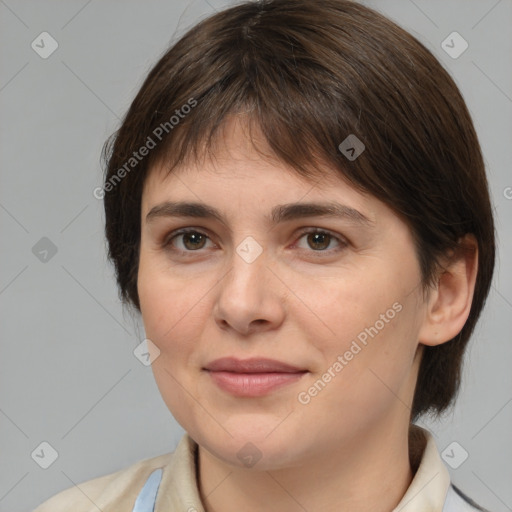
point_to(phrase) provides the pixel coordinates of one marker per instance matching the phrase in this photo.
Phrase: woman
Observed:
(296, 203)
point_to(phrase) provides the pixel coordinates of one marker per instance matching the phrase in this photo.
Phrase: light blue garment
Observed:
(147, 497)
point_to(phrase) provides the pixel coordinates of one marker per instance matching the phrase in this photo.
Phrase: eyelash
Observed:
(167, 243)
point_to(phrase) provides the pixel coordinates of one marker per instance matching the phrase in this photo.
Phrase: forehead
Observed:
(268, 193)
(241, 182)
(240, 153)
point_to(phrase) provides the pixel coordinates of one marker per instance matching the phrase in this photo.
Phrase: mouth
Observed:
(252, 377)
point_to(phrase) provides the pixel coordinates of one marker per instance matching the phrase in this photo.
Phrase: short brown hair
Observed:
(310, 74)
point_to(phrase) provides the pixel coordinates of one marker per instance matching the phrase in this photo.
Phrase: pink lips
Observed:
(252, 377)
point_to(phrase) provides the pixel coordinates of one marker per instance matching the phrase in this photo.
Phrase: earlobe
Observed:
(449, 303)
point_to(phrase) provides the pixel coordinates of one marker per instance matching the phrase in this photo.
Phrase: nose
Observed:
(250, 298)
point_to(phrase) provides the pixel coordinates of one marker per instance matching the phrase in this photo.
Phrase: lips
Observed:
(253, 365)
(252, 377)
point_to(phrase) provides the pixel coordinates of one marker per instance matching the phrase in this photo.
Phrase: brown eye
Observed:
(193, 240)
(186, 241)
(319, 241)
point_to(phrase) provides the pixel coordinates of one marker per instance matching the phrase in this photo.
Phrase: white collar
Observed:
(429, 491)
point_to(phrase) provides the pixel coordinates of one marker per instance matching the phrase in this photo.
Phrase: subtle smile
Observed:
(252, 377)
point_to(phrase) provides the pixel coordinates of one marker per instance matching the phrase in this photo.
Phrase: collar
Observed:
(427, 492)
(431, 481)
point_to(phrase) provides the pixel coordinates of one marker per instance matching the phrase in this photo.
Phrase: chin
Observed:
(258, 455)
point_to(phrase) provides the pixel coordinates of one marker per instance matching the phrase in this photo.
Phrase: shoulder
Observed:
(112, 492)
(457, 501)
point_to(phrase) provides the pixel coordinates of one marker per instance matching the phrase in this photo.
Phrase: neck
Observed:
(370, 472)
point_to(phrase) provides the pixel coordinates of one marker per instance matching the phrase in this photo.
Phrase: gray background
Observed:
(67, 372)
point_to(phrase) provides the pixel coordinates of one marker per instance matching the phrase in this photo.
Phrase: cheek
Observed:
(369, 327)
(348, 308)
(171, 309)
(170, 306)
(364, 375)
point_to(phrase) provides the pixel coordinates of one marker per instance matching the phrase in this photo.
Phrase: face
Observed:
(317, 314)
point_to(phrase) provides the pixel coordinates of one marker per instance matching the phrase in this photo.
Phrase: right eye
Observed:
(191, 240)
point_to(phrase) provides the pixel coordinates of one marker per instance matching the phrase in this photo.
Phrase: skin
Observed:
(301, 302)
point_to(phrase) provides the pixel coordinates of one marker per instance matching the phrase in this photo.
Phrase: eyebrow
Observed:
(280, 213)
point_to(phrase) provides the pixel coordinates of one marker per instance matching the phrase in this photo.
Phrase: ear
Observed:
(449, 302)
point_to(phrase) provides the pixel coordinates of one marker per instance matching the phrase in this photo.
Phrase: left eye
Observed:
(319, 240)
